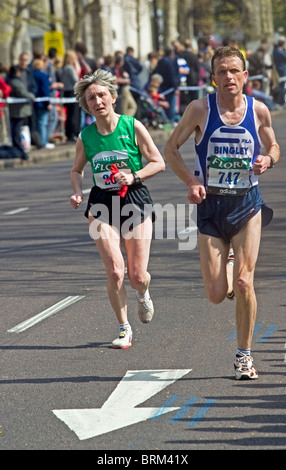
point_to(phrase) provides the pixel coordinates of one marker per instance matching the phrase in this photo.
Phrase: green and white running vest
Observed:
(117, 148)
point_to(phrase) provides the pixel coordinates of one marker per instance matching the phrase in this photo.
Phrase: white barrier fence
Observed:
(5, 135)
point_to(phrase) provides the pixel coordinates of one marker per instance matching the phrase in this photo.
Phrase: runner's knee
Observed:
(138, 278)
(116, 276)
(216, 295)
(243, 286)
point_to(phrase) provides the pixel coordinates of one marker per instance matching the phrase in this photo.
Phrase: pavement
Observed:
(63, 151)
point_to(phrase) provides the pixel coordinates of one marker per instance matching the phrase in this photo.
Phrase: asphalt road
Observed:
(63, 387)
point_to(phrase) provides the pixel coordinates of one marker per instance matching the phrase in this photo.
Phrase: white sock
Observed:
(122, 326)
(243, 352)
(145, 296)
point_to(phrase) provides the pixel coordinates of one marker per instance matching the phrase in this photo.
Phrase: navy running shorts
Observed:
(224, 216)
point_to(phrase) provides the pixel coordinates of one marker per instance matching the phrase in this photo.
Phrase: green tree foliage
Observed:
(204, 17)
(279, 16)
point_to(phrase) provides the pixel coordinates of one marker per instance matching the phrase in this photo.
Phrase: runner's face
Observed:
(99, 100)
(229, 75)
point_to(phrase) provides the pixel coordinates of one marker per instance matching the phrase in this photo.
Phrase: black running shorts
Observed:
(109, 207)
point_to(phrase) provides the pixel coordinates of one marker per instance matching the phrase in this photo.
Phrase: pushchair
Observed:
(150, 114)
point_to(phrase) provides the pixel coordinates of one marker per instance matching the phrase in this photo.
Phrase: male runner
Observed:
(229, 129)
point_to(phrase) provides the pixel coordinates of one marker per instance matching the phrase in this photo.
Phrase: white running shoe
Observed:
(244, 369)
(145, 310)
(124, 339)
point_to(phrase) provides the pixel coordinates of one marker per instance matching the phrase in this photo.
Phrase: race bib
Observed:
(101, 167)
(229, 176)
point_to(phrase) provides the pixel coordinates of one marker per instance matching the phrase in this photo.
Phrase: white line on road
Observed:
(17, 211)
(45, 314)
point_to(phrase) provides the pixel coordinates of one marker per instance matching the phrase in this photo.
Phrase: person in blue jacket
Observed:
(168, 68)
(42, 107)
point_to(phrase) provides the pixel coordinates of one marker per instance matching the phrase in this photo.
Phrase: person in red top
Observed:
(5, 91)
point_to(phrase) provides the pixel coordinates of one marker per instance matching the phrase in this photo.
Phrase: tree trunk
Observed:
(170, 21)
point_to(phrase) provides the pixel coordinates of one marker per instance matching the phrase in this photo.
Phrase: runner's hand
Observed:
(124, 179)
(196, 193)
(76, 200)
(261, 164)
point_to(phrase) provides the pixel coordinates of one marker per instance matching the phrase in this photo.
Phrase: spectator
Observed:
(27, 77)
(168, 68)
(148, 67)
(279, 59)
(5, 91)
(194, 66)
(108, 63)
(267, 66)
(184, 69)
(26, 73)
(87, 67)
(254, 88)
(133, 67)
(205, 53)
(42, 107)
(257, 60)
(19, 112)
(125, 102)
(54, 87)
(86, 62)
(158, 99)
(69, 75)
(191, 79)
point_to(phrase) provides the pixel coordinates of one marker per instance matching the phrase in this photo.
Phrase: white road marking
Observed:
(45, 314)
(119, 410)
(17, 211)
(86, 191)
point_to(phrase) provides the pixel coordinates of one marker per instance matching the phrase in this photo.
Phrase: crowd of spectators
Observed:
(156, 90)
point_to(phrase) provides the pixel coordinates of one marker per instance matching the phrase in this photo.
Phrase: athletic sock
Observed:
(122, 326)
(145, 296)
(243, 352)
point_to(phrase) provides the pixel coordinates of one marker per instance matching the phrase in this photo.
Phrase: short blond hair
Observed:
(101, 77)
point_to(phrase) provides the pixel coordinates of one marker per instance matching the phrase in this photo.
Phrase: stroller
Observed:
(150, 114)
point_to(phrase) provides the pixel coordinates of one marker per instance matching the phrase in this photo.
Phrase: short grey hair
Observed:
(101, 77)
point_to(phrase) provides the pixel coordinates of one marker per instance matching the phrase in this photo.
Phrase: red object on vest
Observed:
(123, 190)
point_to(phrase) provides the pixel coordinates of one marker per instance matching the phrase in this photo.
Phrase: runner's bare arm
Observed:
(193, 120)
(77, 173)
(268, 139)
(149, 151)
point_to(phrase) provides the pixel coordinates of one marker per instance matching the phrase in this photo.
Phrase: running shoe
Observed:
(230, 295)
(124, 339)
(145, 310)
(244, 369)
(230, 260)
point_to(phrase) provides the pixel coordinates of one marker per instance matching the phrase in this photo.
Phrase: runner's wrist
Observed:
(272, 161)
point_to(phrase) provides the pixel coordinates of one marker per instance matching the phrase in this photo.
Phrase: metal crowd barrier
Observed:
(5, 131)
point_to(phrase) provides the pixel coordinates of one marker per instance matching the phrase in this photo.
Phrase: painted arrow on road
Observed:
(119, 410)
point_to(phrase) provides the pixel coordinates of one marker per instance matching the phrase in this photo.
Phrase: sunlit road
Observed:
(62, 386)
